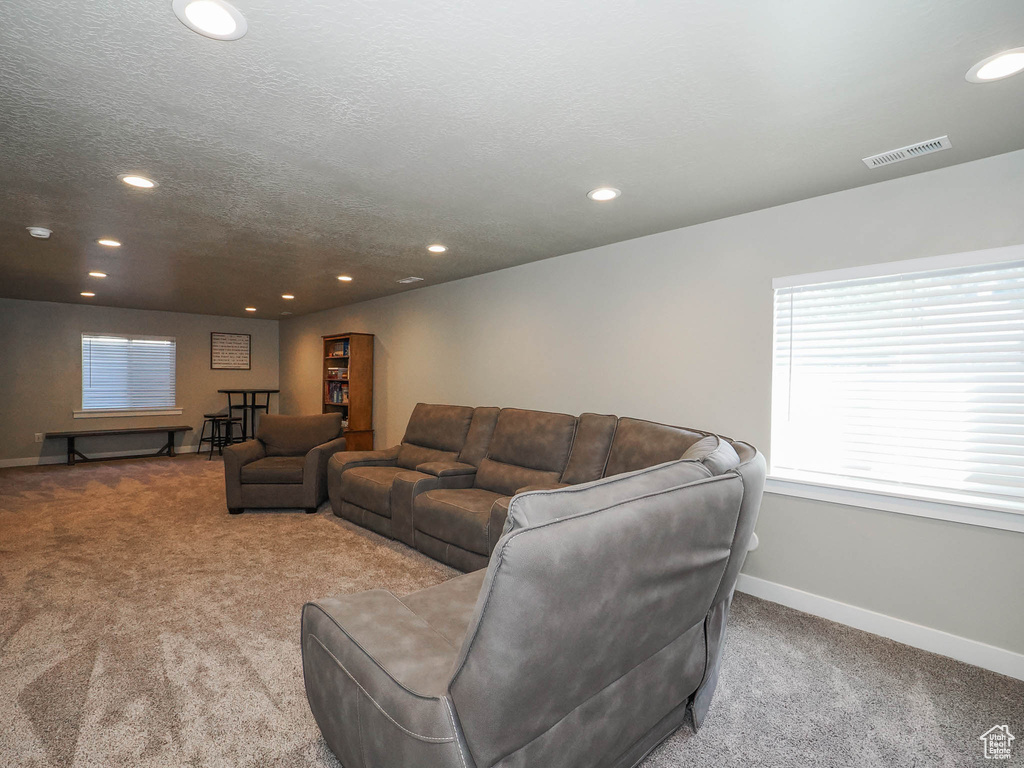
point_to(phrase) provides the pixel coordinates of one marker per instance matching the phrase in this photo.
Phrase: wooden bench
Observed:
(73, 453)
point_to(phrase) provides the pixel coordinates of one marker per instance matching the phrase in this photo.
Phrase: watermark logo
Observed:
(998, 742)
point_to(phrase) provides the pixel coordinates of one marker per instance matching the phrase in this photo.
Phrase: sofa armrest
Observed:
(388, 457)
(543, 487)
(446, 468)
(235, 457)
(339, 462)
(314, 471)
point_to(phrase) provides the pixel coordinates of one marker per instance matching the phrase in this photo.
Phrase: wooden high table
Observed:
(249, 406)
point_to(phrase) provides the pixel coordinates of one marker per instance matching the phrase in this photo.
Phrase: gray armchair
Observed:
(285, 466)
(598, 623)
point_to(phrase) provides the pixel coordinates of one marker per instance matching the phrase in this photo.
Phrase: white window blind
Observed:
(127, 372)
(911, 383)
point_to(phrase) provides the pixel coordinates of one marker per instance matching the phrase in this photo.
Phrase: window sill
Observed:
(116, 413)
(980, 511)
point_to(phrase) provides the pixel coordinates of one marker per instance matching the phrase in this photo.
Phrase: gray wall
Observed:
(41, 383)
(677, 327)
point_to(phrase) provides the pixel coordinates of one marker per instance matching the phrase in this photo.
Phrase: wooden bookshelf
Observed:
(348, 385)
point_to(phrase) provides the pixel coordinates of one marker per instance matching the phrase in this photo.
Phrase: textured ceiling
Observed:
(344, 137)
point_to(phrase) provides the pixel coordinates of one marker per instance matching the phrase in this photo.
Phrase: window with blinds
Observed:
(909, 383)
(127, 372)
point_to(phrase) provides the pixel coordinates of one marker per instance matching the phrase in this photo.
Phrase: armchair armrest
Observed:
(235, 457)
(446, 468)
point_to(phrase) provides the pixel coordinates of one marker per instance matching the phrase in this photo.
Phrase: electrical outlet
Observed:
(39, 437)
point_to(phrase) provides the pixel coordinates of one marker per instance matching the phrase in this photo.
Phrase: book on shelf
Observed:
(337, 392)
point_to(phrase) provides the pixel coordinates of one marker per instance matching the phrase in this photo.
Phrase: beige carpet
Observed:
(141, 625)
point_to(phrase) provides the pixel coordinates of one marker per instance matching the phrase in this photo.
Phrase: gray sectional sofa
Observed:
(446, 488)
(612, 548)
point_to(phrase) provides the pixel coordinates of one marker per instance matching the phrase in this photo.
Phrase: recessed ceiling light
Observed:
(97, 274)
(287, 296)
(437, 248)
(406, 280)
(215, 19)
(40, 232)
(997, 67)
(345, 278)
(139, 182)
(250, 309)
(109, 243)
(603, 194)
(88, 294)
(286, 313)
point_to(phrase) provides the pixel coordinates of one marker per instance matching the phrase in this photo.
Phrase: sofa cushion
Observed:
(448, 607)
(527, 448)
(456, 516)
(274, 470)
(370, 487)
(297, 435)
(590, 448)
(478, 439)
(434, 433)
(638, 444)
(714, 453)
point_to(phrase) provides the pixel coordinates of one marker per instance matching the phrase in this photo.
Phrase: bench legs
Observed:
(167, 450)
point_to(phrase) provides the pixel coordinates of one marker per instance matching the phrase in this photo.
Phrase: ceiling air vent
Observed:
(410, 280)
(906, 153)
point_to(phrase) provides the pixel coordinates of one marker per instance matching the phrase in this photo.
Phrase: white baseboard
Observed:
(62, 458)
(934, 640)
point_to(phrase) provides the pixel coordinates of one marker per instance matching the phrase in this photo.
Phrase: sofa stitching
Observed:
(421, 737)
(455, 737)
(359, 728)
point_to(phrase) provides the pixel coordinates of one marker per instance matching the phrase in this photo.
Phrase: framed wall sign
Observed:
(230, 351)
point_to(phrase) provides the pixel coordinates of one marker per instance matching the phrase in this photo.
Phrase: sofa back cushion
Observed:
(638, 444)
(434, 433)
(297, 435)
(601, 611)
(478, 440)
(590, 448)
(527, 448)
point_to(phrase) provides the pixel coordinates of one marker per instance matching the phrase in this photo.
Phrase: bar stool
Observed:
(222, 432)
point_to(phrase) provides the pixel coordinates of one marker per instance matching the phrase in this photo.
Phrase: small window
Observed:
(127, 373)
(908, 381)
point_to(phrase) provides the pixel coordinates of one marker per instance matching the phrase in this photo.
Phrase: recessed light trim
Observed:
(1002, 65)
(40, 233)
(603, 194)
(137, 181)
(215, 19)
(88, 294)
(345, 278)
(110, 243)
(250, 309)
(97, 274)
(437, 248)
(410, 279)
(287, 296)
